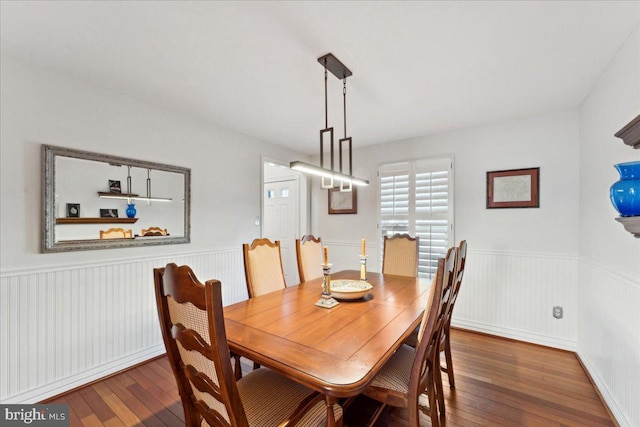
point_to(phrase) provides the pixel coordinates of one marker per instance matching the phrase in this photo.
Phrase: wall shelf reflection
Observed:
(96, 220)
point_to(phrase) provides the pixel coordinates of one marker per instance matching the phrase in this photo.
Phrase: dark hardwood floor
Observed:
(499, 382)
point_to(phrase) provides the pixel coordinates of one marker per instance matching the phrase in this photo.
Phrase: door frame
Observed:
(304, 200)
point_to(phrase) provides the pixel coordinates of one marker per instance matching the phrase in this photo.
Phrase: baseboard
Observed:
(45, 391)
(603, 392)
(515, 334)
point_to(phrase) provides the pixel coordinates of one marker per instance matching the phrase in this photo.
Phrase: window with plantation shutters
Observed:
(417, 198)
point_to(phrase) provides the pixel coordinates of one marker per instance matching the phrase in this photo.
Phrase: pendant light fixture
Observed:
(345, 139)
(330, 175)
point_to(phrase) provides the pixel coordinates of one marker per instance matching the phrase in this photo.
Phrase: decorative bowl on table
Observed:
(350, 289)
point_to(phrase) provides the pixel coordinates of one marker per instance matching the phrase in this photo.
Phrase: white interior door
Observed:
(281, 222)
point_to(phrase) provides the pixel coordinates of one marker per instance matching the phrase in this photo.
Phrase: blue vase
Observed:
(131, 210)
(625, 193)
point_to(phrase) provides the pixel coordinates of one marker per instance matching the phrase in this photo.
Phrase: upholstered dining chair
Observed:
(445, 344)
(263, 267)
(309, 255)
(192, 323)
(116, 233)
(411, 378)
(400, 255)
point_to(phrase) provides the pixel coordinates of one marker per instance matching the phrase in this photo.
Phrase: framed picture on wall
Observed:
(108, 213)
(515, 188)
(73, 210)
(114, 186)
(343, 202)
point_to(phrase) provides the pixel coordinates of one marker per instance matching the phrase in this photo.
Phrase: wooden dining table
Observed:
(335, 351)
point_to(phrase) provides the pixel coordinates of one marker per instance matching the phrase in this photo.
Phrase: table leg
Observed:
(331, 418)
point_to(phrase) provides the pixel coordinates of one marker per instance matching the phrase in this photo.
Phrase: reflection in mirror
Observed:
(88, 194)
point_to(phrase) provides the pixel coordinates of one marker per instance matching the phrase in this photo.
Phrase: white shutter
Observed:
(432, 222)
(394, 198)
(416, 198)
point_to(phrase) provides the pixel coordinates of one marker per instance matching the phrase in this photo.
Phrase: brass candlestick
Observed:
(326, 281)
(326, 300)
(363, 268)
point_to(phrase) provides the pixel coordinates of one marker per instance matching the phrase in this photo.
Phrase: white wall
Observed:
(522, 262)
(609, 274)
(549, 141)
(69, 318)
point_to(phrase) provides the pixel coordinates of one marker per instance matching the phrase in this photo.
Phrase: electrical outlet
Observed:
(557, 312)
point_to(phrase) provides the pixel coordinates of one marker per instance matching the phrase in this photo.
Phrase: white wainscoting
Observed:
(65, 326)
(509, 294)
(609, 336)
(512, 294)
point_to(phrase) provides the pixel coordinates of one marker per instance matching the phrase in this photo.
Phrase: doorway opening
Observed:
(284, 212)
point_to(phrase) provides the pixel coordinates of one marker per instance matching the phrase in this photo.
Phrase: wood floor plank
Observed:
(519, 409)
(91, 421)
(123, 412)
(116, 384)
(553, 392)
(162, 369)
(533, 377)
(97, 404)
(165, 383)
(74, 419)
(499, 382)
(114, 422)
(161, 411)
(77, 402)
(170, 402)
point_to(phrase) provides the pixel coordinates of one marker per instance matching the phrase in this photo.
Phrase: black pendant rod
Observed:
(344, 103)
(326, 108)
(148, 183)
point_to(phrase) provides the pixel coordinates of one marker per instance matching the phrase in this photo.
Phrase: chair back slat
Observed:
(432, 292)
(400, 255)
(427, 351)
(457, 282)
(192, 323)
(309, 255)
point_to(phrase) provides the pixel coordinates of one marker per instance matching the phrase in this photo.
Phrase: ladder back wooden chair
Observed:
(263, 267)
(400, 255)
(411, 378)
(309, 255)
(445, 344)
(192, 323)
(116, 233)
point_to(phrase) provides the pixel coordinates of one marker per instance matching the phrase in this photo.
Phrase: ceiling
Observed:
(419, 68)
